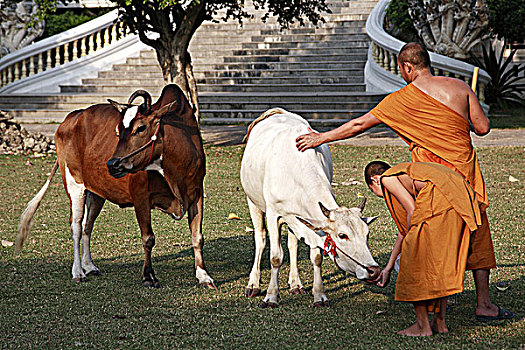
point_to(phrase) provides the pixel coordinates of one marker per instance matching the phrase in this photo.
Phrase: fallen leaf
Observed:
(249, 229)
(502, 286)
(360, 195)
(513, 179)
(7, 243)
(350, 182)
(380, 312)
(232, 216)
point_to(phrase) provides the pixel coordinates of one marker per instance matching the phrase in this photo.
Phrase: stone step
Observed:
(342, 115)
(120, 89)
(207, 66)
(360, 64)
(74, 101)
(307, 45)
(240, 73)
(277, 73)
(303, 58)
(282, 87)
(291, 80)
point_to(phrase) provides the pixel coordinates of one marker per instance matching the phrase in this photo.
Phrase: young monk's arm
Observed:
(396, 188)
(384, 276)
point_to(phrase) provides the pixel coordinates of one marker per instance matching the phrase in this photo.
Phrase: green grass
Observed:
(41, 308)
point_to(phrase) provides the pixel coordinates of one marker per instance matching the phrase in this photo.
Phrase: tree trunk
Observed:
(177, 69)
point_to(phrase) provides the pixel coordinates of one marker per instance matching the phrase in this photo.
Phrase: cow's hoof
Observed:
(94, 273)
(208, 285)
(252, 292)
(268, 304)
(151, 284)
(297, 290)
(322, 303)
(80, 279)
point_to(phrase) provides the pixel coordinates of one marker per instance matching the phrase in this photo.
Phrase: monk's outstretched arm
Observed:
(349, 129)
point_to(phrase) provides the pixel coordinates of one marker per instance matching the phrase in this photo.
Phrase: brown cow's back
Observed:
(85, 141)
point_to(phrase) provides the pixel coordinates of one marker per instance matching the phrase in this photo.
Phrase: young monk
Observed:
(435, 211)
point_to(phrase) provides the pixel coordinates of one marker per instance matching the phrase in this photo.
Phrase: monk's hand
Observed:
(383, 278)
(310, 140)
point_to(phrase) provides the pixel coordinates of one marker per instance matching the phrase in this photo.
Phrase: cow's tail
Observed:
(263, 116)
(26, 220)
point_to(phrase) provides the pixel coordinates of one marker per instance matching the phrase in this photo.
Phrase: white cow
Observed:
(294, 187)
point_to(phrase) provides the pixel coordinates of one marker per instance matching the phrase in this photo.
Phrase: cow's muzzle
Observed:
(116, 169)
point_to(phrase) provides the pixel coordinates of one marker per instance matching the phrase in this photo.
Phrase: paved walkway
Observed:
(226, 135)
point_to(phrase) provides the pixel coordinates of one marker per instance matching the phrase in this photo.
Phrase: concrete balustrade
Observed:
(381, 71)
(61, 48)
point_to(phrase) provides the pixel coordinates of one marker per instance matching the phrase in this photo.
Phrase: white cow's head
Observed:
(348, 230)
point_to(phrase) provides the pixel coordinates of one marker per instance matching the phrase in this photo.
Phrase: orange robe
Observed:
(440, 135)
(435, 248)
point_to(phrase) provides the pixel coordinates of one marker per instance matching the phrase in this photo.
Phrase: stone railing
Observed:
(381, 71)
(61, 48)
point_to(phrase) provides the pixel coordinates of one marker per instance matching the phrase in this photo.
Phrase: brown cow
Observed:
(162, 138)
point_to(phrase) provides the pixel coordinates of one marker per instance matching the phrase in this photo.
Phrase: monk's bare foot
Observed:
(416, 331)
(438, 326)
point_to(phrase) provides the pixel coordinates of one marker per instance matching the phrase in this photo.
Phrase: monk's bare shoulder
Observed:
(449, 91)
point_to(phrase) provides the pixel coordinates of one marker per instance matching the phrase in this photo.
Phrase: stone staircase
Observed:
(242, 71)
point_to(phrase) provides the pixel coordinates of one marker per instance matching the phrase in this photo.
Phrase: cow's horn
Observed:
(325, 211)
(362, 205)
(146, 106)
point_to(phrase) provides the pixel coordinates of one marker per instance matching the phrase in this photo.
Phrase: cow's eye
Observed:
(342, 235)
(140, 129)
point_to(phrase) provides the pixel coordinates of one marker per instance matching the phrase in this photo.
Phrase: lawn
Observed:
(41, 308)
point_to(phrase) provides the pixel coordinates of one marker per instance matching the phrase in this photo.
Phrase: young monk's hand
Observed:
(383, 278)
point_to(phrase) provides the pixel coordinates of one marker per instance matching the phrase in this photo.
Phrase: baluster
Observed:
(23, 70)
(481, 92)
(57, 56)
(83, 47)
(2, 78)
(375, 53)
(75, 49)
(31, 65)
(17, 73)
(113, 34)
(380, 57)
(91, 43)
(40, 63)
(67, 56)
(10, 74)
(106, 37)
(48, 60)
(386, 65)
(393, 63)
(98, 42)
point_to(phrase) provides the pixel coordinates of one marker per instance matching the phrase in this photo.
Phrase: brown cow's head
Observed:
(139, 142)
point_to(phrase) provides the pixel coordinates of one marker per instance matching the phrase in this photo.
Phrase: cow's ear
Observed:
(119, 106)
(314, 225)
(369, 220)
(165, 109)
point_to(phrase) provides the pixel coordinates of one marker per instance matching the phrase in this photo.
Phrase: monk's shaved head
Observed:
(376, 167)
(415, 54)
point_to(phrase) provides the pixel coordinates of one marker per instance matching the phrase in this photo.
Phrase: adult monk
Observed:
(432, 115)
(435, 211)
